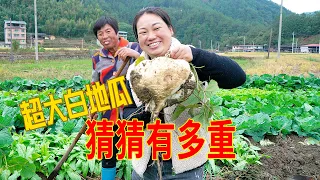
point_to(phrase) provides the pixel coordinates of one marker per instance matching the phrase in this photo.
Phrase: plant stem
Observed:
(153, 118)
(159, 169)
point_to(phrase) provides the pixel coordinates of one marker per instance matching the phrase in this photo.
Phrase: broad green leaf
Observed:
(14, 176)
(35, 156)
(214, 167)
(91, 165)
(281, 123)
(268, 109)
(120, 173)
(6, 138)
(61, 175)
(29, 152)
(212, 86)
(211, 89)
(119, 164)
(77, 79)
(192, 99)
(179, 109)
(28, 170)
(226, 112)
(128, 170)
(72, 165)
(85, 168)
(16, 163)
(296, 128)
(216, 100)
(22, 149)
(5, 174)
(73, 155)
(307, 107)
(78, 126)
(234, 112)
(79, 162)
(309, 124)
(36, 177)
(97, 168)
(256, 126)
(201, 118)
(68, 126)
(73, 175)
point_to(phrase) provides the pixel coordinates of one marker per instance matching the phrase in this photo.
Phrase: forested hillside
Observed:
(223, 21)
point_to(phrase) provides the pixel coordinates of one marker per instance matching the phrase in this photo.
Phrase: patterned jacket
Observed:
(104, 67)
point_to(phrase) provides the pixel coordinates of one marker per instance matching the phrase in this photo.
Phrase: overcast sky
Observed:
(300, 6)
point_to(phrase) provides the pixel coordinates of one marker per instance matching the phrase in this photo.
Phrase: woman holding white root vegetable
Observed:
(153, 30)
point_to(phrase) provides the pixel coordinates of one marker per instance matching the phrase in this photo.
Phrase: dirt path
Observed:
(288, 160)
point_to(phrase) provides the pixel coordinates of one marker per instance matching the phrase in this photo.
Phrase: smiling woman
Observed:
(106, 63)
(154, 35)
(154, 31)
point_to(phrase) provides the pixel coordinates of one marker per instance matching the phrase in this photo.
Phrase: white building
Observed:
(123, 34)
(310, 48)
(247, 48)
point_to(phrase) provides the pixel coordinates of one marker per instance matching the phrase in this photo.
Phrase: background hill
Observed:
(226, 22)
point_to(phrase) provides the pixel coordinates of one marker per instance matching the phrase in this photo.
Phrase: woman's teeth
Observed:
(154, 44)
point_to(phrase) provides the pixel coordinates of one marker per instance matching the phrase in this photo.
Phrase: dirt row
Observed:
(288, 159)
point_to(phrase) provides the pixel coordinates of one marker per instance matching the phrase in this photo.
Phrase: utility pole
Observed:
(269, 43)
(292, 41)
(36, 30)
(244, 42)
(296, 45)
(253, 45)
(211, 46)
(82, 43)
(280, 26)
(200, 43)
(11, 54)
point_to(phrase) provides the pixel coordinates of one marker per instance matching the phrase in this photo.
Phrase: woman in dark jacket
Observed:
(153, 30)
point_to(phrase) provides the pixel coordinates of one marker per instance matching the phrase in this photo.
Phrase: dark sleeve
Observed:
(135, 46)
(225, 71)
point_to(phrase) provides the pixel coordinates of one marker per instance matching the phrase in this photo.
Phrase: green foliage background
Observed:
(223, 21)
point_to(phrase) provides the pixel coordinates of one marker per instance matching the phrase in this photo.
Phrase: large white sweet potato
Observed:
(162, 82)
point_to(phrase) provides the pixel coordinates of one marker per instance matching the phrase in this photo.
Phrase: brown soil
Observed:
(287, 159)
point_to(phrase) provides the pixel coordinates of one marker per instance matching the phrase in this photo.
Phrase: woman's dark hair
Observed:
(151, 10)
(102, 22)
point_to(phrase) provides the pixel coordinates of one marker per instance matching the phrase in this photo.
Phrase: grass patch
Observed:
(245, 63)
(59, 69)
(252, 63)
(291, 64)
(313, 59)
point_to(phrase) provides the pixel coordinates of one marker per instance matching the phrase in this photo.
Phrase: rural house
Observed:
(310, 48)
(247, 48)
(15, 30)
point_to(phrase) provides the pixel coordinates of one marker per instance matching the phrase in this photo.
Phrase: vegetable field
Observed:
(277, 119)
(264, 107)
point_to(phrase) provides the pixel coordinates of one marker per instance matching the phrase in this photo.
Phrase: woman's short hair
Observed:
(151, 10)
(102, 21)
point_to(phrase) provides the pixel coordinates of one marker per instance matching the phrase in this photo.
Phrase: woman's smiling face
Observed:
(108, 38)
(154, 35)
